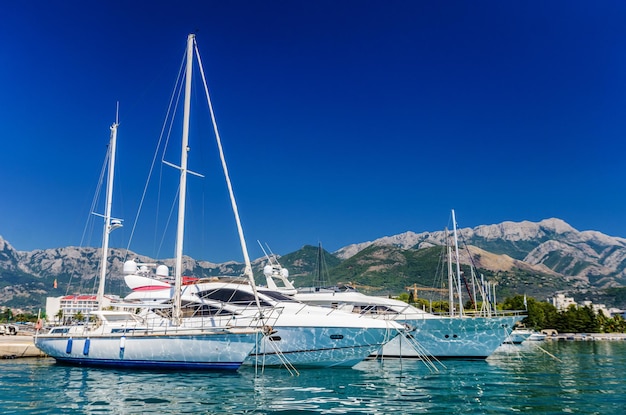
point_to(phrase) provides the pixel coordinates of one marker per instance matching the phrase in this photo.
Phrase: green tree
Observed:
(7, 315)
(405, 297)
(79, 316)
(59, 315)
(412, 299)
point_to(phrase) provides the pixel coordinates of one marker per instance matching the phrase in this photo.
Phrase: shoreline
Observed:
(587, 337)
(18, 346)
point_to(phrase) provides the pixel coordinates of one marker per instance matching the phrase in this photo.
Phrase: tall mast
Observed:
(108, 226)
(458, 264)
(450, 274)
(319, 264)
(178, 272)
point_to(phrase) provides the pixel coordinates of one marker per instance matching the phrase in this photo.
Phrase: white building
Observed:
(597, 308)
(71, 305)
(561, 302)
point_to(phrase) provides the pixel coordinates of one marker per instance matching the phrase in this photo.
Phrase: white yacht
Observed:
(457, 334)
(297, 334)
(428, 334)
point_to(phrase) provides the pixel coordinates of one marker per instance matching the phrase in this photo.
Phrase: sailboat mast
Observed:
(319, 265)
(107, 215)
(182, 196)
(450, 274)
(458, 263)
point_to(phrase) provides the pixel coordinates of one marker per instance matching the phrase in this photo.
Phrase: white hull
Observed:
(303, 335)
(451, 338)
(200, 350)
(537, 337)
(319, 346)
(439, 336)
(518, 336)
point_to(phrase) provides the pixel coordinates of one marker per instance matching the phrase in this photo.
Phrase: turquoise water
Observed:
(588, 378)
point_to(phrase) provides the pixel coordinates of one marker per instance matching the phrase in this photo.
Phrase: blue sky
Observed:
(342, 121)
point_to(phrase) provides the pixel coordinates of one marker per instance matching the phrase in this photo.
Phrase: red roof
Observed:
(80, 297)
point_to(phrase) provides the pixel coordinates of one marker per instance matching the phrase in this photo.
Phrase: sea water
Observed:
(583, 377)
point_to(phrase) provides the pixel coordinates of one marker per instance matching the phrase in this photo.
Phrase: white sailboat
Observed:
(120, 338)
(296, 334)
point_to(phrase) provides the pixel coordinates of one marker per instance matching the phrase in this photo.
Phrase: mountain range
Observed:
(538, 259)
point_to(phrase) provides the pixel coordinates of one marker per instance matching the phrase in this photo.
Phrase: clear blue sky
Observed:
(342, 121)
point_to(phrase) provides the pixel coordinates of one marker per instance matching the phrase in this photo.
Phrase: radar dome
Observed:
(130, 267)
(162, 271)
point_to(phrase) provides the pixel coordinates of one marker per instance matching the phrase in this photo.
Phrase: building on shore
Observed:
(59, 309)
(562, 303)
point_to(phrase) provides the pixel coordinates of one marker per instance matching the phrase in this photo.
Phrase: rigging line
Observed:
(89, 223)
(438, 280)
(168, 221)
(471, 258)
(462, 276)
(156, 152)
(281, 356)
(273, 254)
(170, 116)
(248, 269)
(267, 332)
(427, 359)
(96, 195)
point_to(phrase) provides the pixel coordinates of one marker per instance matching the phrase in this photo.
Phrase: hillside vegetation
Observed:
(520, 258)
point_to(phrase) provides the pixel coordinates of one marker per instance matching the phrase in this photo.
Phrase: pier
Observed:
(586, 336)
(12, 347)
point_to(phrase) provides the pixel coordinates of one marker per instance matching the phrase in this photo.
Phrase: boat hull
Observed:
(206, 351)
(319, 346)
(451, 338)
(518, 336)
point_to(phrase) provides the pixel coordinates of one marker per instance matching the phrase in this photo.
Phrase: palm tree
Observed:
(79, 316)
(59, 316)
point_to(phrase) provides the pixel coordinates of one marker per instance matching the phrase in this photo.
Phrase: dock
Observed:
(587, 337)
(12, 347)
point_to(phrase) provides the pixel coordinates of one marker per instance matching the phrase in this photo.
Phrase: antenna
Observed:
(117, 113)
(273, 254)
(269, 258)
(265, 253)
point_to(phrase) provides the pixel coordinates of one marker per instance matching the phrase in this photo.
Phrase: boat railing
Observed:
(479, 313)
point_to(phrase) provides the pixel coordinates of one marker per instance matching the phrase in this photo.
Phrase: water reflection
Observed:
(572, 377)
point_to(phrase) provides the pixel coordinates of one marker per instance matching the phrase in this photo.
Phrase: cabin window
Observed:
(278, 296)
(203, 310)
(229, 295)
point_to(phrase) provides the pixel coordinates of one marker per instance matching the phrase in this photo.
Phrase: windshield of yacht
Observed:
(232, 296)
(279, 296)
(373, 309)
